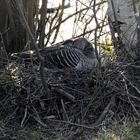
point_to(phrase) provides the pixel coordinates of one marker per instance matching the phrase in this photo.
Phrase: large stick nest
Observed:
(74, 98)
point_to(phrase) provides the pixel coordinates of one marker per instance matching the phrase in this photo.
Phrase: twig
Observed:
(24, 117)
(27, 28)
(64, 110)
(37, 118)
(126, 87)
(102, 116)
(76, 124)
(131, 83)
(64, 93)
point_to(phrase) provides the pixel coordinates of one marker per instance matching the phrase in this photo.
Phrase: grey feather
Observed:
(78, 54)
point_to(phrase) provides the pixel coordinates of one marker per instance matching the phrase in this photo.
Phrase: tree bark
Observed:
(123, 18)
(13, 33)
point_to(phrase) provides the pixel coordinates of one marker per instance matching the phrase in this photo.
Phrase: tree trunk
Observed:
(11, 28)
(124, 20)
(123, 16)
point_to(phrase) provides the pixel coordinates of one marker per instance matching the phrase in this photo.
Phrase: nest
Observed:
(73, 99)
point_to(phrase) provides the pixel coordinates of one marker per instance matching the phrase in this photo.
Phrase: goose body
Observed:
(78, 54)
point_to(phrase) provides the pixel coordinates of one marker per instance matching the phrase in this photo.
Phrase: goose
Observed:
(77, 54)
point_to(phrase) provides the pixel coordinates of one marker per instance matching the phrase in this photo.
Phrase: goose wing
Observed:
(63, 57)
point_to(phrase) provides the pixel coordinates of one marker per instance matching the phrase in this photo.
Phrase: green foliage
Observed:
(118, 132)
(129, 132)
(132, 132)
(107, 47)
(94, 78)
(108, 135)
(28, 134)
